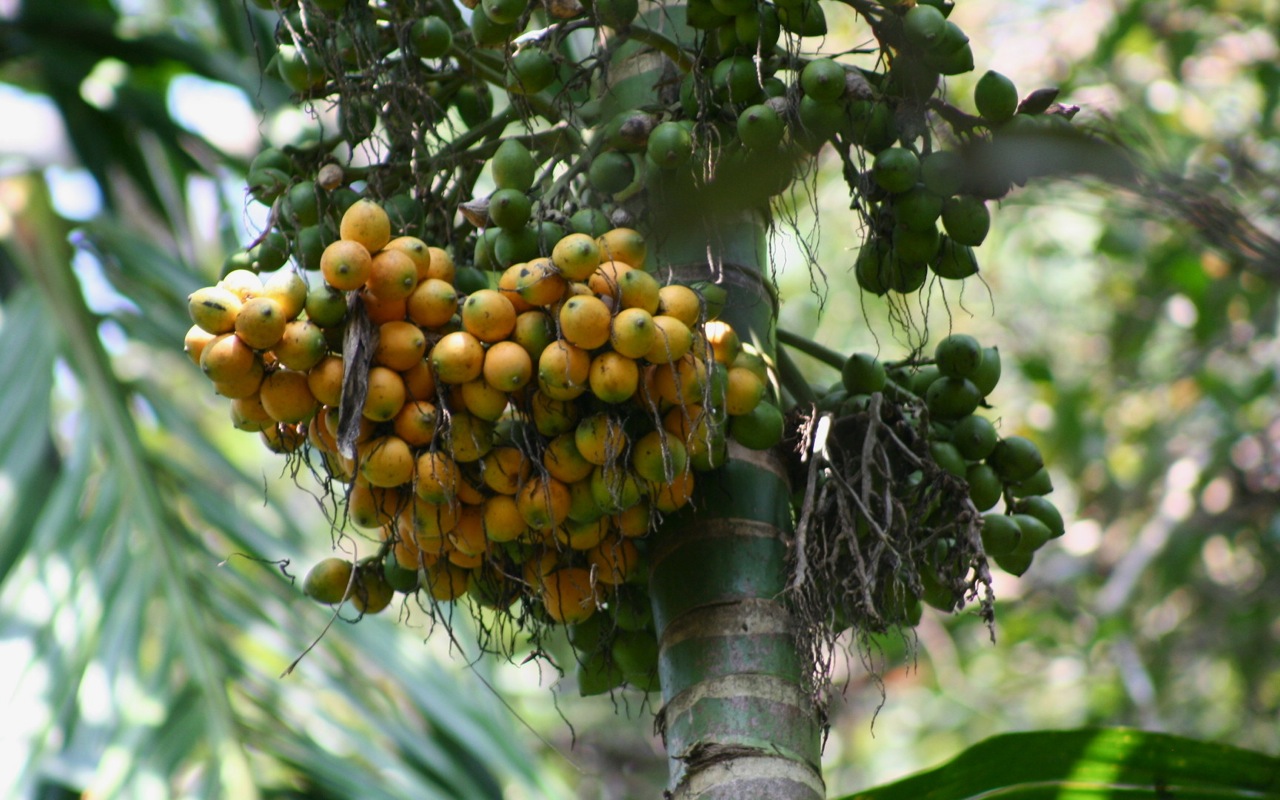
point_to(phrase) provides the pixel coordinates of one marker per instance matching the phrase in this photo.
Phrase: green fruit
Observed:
(586, 636)
(309, 246)
(617, 14)
(905, 276)
(832, 400)
(1015, 459)
(530, 71)
(871, 268)
(946, 456)
(635, 652)
(503, 12)
(431, 37)
(805, 18)
(271, 158)
(952, 398)
(598, 674)
(301, 206)
(299, 68)
(872, 125)
(988, 373)
(510, 209)
(734, 79)
(956, 62)
(935, 593)
(759, 430)
(918, 209)
(474, 101)
(974, 436)
(996, 97)
(958, 355)
(1038, 484)
(548, 233)
(855, 404)
(823, 80)
(397, 577)
(922, 25)
(1034, 534)
(923, 378)
(611, 172)
(513, 166)
(760, 128)
(896, 170)
(1015, 564)
(328, 580)
(670, 145)
(631, 609)
(404, 211)
(915, 246)
(326, 306)
(482, 256)
(470, 280)
(270, 253)
(758, 29)
(954, 261)
(591, 221)
(487, 33)
(703, 16)
(942, 172)
(966, 220)
(266, 184)
(985, 487)
(1043, 510)
(819, 121)
(514, 246)
(732, 8)
(863, 374)
(1000, 534)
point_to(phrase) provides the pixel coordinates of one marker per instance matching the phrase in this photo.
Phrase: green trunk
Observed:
(737, 720)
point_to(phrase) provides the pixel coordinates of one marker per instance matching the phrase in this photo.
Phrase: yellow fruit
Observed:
(386, 395)
(585, 322)
(488, 315)
(416, 422)
(672, 340)
(543, 503)
(287, 397)
(681, 302)
(242, 283)
(482, 400)
(288, 289)
(195, 341)
(613, 377)
(325, 380)
(457, 358)
(433, 303)
(301, 346)
(563, 370)
(504, 469)
(401, 345)
(564, 462)
(569, 595)
(442, 266)
(638, 289)
(365, 222)
(507, 366)
(393, 275)
(614, 560)
(468, 437)
(386, 462)
(623, 244)
(744, 392)
(346, 265)
(416, 250)
(600, 439)
(503, 521)
(576, 256)
(214, 309)
(436, 477)
(632, 332)
(539, 283)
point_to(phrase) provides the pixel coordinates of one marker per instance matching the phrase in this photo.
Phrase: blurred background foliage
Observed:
(146, 548)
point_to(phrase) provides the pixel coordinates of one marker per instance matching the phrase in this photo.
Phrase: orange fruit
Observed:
(638, 289)
(346, 265)
(242, 283)
(214, 309)
(534, 331)
(419, 383)
(585, 321)
(467, 536)
(325, 380)
(432, 303)
(543, 503)
(488, 315)
(614, 560)
(329, 580)
(614, 378)
(503, 521)
(436, 477)
(248, 414)
(416, 422)
(675, 495)
(386, 395)
(442, 266)
(415, 249)
(563, 370)
(482, 400)
(226, 357)
(692, 425)
(724, 341)
(552, 417)
(744, 391)
(563, 461)
(194, 342)
(582, 534)
(681, 382)
(365, 222)
(432, 522)
(658, 457)
(507, 366)
(623, 244)
(289, 289)
(672, 339)
(540, 283)
(260, 322)
(445, 581)
(569, 595)
(302, 345)
(287, 397)
(318, 433)
(457, 358)
(576, 256)
(679, 301)
(504, 469)
(633, 522)
(632, 332)
(508, 283)
(386, 461)
(605, 280)
(600, 439)
(468, 437)
(393, 275)
(401, 345)
(379, 310)
(371, 506)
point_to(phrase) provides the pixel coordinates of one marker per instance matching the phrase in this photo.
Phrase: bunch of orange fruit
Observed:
(515, 441)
